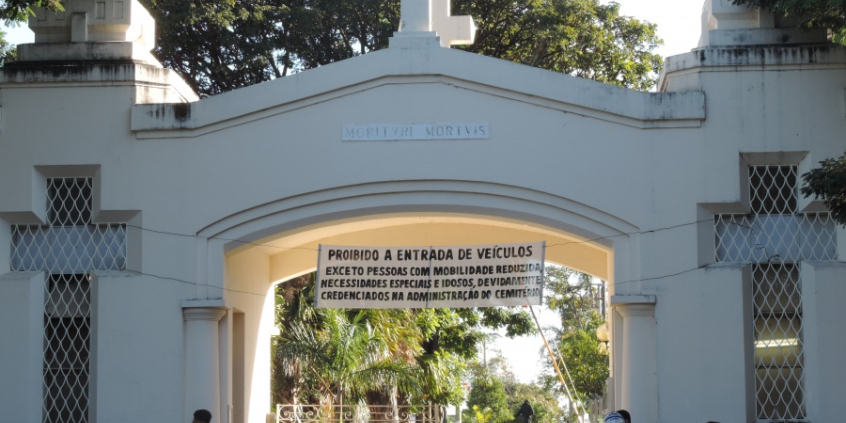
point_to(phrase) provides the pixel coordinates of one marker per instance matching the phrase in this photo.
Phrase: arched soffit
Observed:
(293, 226)
(295, 252)
(420, 66)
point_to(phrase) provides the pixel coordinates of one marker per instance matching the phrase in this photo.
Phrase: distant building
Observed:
(142, 229)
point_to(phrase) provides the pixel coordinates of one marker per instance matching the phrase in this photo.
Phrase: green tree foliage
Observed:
(221, 45)
(433, 344)
(20, 10)
(542, 400)
(8, 52)
(487, 401)
(812, 13)
(572, 295)
(485, 395)
(586, 361)
(480, 415)
(344, 358)
(828, 182)
(575, 299)
(579, 37)
(326, 355)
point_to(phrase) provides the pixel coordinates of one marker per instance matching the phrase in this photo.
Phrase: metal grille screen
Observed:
(775, 238)
(68, 249)
(779, 370)
(67, 328)
(70, 244)
(773, 229)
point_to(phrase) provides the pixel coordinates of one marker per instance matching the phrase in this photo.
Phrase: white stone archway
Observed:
(248, 252)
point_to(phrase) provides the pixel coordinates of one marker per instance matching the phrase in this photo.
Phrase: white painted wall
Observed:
(21, 323)
(567, 160)
(822, 290)
(703, 352)
(138, 348)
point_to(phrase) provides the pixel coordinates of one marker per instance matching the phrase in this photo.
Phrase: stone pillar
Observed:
(639, 372)
(415, 16)
(202, 360)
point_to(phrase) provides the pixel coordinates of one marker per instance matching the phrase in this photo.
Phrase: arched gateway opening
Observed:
(261, 247)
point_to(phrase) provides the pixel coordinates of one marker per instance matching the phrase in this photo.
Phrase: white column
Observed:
(415, 16)
(202, 361)
(639, 372)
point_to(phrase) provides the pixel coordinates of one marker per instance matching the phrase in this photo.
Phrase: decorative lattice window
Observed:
(772, 189)
(779, 365)
(774, 228)
(68, 249)
(70, 244)
(67, 335)
(774, 237)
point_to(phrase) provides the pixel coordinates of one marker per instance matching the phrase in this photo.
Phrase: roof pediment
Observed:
(421, 63)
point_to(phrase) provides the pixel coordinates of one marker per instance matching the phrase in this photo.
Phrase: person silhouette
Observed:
(613, 417)
(526, 411)
(202, 416)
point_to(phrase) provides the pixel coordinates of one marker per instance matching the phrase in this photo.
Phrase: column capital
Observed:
(636, 309)
(203, 313)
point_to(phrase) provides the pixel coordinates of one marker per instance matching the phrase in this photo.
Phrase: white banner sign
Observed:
(430, 277)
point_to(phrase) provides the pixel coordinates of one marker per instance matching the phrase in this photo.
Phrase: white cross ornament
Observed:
(428, 16)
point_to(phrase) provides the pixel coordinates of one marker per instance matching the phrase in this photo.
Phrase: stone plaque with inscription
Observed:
(416, 131)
